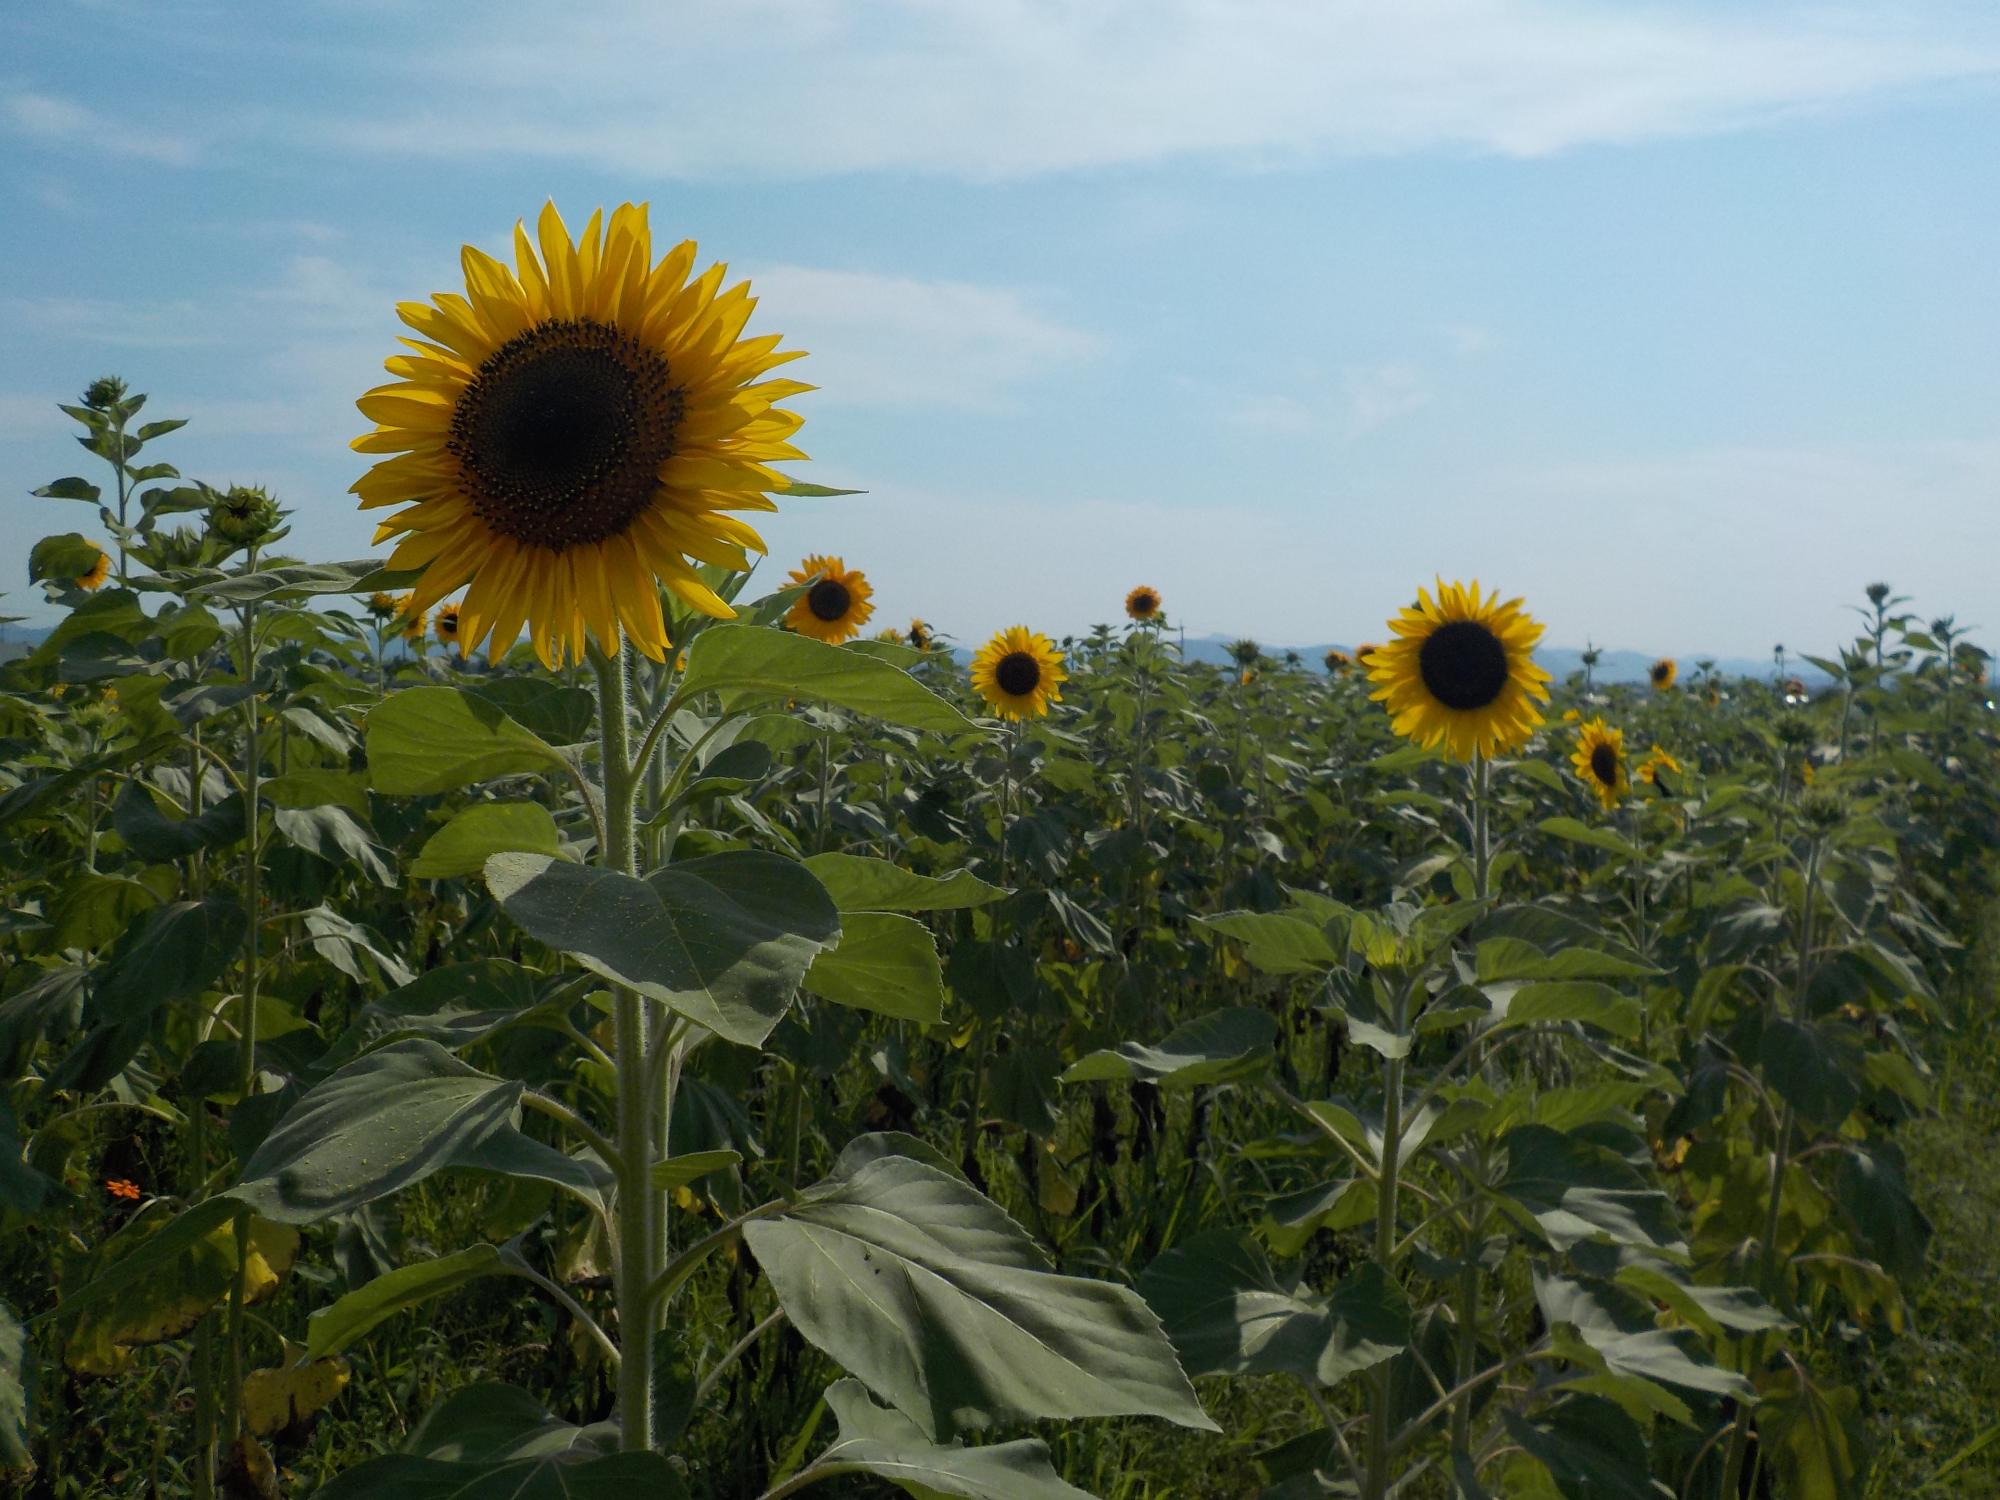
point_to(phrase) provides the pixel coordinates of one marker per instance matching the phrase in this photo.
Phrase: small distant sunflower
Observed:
(445, 624)
(1338, 663)
(92, 578)
(1019, 672)
(1600, 762)
(1663, 673)
(1656, 761)
(1143, 603)
(410, 620)
(1365, 653)
(890, 635)
(566, 437)
(1461, 672)
(1247, 676)
(382, 606)
(919, 634)
(836, 606)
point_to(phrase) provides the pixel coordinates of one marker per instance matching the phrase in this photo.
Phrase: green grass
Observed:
(1937, 1392)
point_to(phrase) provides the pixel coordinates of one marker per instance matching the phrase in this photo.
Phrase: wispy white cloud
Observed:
(176, 324)
(881, 340)
(52, 119)
(1379, 394)
(1017, 87)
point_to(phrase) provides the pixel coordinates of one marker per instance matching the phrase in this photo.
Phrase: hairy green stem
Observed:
(634, 1272)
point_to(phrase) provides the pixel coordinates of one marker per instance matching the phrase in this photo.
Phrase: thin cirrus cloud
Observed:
(53, 120)
(881, 340)
(1013, 88)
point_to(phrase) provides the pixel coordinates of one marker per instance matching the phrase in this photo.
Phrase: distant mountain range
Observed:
(1559, 661)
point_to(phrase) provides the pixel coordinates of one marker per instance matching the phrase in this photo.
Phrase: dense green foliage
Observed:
(1448, 1129)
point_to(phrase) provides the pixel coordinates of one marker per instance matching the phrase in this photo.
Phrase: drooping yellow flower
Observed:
(566, 437)
(1461, 672)
(1663, 673)
(919, 634)
(1600, 762)
(446, 625)
(92, 578)
(1143, 603)
(382, 606)
(1338, 663)
(836, 606)
(1656, 761)
(1019, 672)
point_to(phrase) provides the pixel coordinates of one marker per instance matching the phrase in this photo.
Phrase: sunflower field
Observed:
(543, 1012)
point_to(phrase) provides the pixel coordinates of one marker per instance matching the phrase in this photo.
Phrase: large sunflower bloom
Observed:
(1461, 672)
(567, 435)
(92, 578)
(1662, 673)
(1143, 603)
(1600, 762)
(836, 606)
(1019, 672)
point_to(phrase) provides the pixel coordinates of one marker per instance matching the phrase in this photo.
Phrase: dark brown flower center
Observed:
(1144, 603)
(1018, 674)
(1604, 763)
(1661, 671)
(1463, 665)
(829, 600)
(562, 432)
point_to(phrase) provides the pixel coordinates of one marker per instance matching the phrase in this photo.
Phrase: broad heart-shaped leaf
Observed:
(166, 954)
(1590, 1447)
(1588, 1001)
(484, 829)
(1226, 1313)
(1277, 942)
(1515, 958)
(1218, 1047)
(385, 1121)
(1622, 1330)
(436, 739)
(334, 1327)
(859, 882)
(453, 1004)
(492, 1440)
(561, 715)
(885, 963)
(153, 836)
(724, 939)
(1573, 1190)
(1371, 1323)
(298, 581)
(928, 1292)
(750, 664)
(888, 1444)
(1813, 1067)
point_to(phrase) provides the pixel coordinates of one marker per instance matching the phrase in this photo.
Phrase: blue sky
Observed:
(1679, 321)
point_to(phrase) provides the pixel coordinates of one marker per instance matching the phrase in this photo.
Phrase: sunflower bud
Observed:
(183, 547)
(1822, 809)
(104, 393)
(245, 515)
